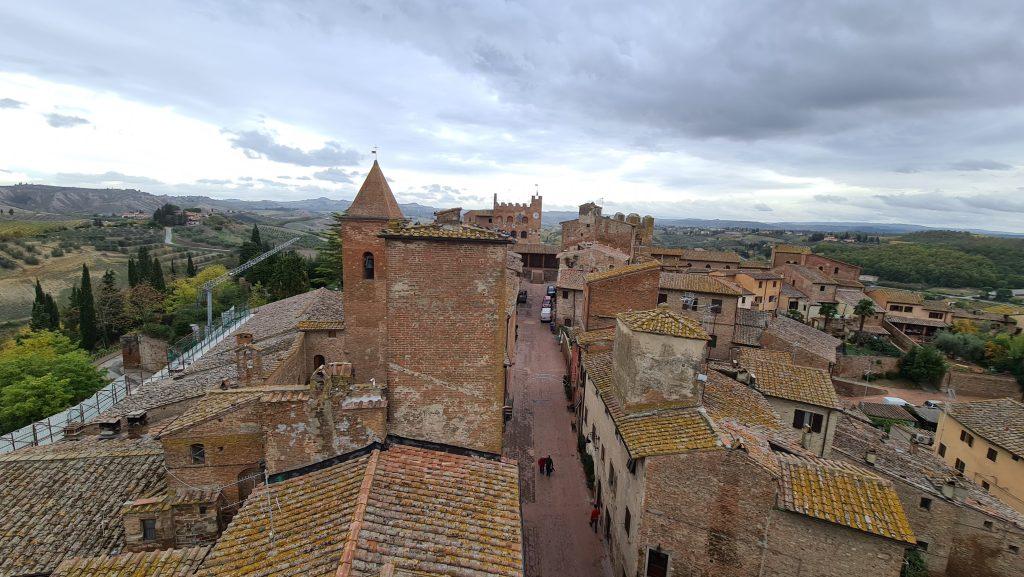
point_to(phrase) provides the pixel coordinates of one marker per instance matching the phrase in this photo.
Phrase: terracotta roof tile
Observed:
(843, 494)
(213, 404)
(748, 356)
(375, 199)
(571, 278)
(663, 321)
(599, 335)
(168, 563)
(650, 433)
(886, 411)
(623, 270)
(905, 320)
(695, 254)
(805, 337)
(895, 295)
(792, 248)
(794, 383)
(726, 398)
(999, 421)
(457, 232)
(64, 500)
(321, 325)
(697, 283)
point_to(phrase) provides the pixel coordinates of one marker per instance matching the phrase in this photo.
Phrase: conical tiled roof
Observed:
(375, 199)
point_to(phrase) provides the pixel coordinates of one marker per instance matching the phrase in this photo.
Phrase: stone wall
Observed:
(801, 357)
(986, 385)
(152, 353)
(847, 388)
(855, 366)
(446, 341)
(802, 546)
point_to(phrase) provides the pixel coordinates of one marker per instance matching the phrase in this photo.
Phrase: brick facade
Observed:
(605, 298)
(617, 232)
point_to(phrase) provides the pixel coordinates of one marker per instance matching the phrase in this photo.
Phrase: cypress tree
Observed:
(156, 276)
(133, 273)
(255, 237)
(87, 312)
(52, 313)
(143, 266)
(173, 272)
(40, 318)
(190, 268)
(39, 291)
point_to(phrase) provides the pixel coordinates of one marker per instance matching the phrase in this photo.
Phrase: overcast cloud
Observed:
(880, 111)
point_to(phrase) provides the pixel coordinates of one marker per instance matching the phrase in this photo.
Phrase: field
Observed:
(11, 229)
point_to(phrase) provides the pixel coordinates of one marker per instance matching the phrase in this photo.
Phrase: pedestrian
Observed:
(595, 514)
(542, 464)
(549, 465)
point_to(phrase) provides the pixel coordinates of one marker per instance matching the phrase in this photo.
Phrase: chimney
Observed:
(871, 457)
(136, 423)
(110, 428)
(242, 339)
(448, 216)
(948, 489)
(74, 431)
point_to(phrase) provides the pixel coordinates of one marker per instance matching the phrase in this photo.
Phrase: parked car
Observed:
(551, 290)
(547, 301)
(894, 401)
(545, 315)
(933, 404)
(522, 296)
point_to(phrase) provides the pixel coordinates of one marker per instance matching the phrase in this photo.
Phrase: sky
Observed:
(877, 111)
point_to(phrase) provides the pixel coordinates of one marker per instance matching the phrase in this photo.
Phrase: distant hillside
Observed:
(39, 198)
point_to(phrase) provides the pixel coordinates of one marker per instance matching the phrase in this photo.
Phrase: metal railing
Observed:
(51, 429)
(191, 347)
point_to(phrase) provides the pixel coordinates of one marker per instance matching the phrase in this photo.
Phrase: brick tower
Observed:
(364, 275)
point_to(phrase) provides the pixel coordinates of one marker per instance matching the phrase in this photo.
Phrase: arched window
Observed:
(508, 220)
(318, 361)
(198, 453)
(522, 234)
(368, 265)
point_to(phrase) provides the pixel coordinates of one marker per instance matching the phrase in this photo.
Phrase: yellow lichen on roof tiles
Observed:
(321, 325)
(697, 283)
(590, 337)
(445, 232)
(623, 270)
(167, 563)
(663, 321)
(841, 493)
(651, 433)
(748, 355)
(792, 248)
(795, 383)
(896, 295)
(726, 398)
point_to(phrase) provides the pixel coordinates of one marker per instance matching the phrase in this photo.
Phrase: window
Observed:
(942, 450)
(992, 454)
(713, 342)
(967, 438)
(775, 283)
(908, 309)
(926, 503)
(934, 315)
(368, 265)
(567, 322)
(565, 294)
(202, 509)
(197, 452)
(821, 288)
(522, 234)
(662, 298)
(960, 465)
(760, 284)
(896, 308)
(985, 485)
(716, 306)
(611, 476)
(793, 305)
(802, 419)
(627, 521)
(835, 270)
(1014, 549)
(771, 298)
(657, 563)
(922, 545)
(692, 305)
(988, 525)
(148, 529)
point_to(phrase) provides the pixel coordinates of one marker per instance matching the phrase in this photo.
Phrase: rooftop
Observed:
(726, 398)
(534, 248)
(64, 500)
(905, 320)
(792, 292)
(750, 325)
(998, 421)
(791, 248)
(895, 295)
(434, 231)
(424, 511)
(623, 270)
(650, 433)
(696, 283)
(760, 274)
(805, 336)
(663, 321)
(794, 383)
(375, 199)
(841, 493)
(850, 298)
(695, 254)
(810, 274)
(764, 355)
(215, 403)
(590, 337)
(886, 411)
(167, 563)
(571, 278)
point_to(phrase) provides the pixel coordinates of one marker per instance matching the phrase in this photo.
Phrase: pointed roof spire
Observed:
(375, 199)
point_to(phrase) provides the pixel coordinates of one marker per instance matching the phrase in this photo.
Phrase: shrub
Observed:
(56, 252)
(31, 260)
(923, 365)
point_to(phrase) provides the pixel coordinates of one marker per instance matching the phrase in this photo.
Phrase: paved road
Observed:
(558, 541)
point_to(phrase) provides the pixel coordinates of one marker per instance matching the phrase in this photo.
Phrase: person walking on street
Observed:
(549, 465)
(542, 464)
(595, 514)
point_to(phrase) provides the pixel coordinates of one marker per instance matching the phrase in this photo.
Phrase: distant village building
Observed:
(520, 220)
(623, 233)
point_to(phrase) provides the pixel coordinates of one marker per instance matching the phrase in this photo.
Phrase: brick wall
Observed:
(365, 299)
(446, 325)
(855, 366)
(803, 547)
(152, 353)
(723, 324)
(604, 299)
(828, 266)
(328, 344)
(984, 385)
(801, 356)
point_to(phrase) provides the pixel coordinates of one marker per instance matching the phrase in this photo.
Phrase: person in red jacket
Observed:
(595, 515)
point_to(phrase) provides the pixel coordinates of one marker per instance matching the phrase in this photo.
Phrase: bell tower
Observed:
(364, 275)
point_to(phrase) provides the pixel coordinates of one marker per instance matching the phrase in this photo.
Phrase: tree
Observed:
(156, 275)
(143, 265)
(190, 267)
(1004, 294)
(87, 330)
(52, 312)
(142, 305)
(328, 263)
(923, 365)
(913, 565)
(110, 319)
(254, 237)
(40, 316)
(864, 309)
(795, 315)
(133, 272)
(289, 276)
(829, 311)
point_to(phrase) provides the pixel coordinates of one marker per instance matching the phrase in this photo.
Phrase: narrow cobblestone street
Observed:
(558, 540)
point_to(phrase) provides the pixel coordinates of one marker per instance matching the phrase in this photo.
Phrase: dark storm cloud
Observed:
(980, 165)
(10, 103)
(256, 144)
(63, 120)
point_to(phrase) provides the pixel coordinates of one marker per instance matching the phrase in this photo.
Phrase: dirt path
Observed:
(557, 538)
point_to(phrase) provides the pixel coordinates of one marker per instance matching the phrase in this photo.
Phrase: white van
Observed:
(545, 315)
